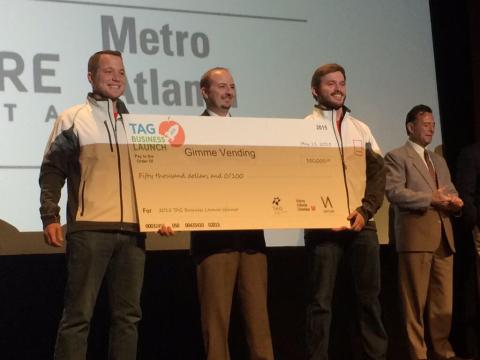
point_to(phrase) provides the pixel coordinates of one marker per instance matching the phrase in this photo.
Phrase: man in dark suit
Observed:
(423, 198)
(226, 259)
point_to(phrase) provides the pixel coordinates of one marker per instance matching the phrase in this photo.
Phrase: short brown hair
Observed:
(414, 112)
(324, 70)
(95, 59)
(205, 80)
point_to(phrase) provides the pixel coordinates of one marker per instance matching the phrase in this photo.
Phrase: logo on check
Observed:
(173, 132)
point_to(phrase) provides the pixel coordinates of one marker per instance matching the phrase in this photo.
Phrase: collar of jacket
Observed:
(98, 99)
(323, 112)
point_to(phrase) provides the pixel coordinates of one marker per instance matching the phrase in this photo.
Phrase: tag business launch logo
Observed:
(173, 132)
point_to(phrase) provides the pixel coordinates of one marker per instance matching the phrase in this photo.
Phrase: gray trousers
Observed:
(118, 257)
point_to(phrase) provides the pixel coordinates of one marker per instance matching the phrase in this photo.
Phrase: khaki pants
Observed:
(217, 276)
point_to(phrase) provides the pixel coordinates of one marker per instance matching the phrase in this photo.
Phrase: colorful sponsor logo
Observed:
(168, 132)
(173, 132)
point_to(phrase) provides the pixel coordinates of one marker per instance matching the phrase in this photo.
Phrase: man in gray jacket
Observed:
(423, 197)
(88, 148)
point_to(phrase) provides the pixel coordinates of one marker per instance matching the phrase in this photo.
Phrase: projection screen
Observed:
(271, 48)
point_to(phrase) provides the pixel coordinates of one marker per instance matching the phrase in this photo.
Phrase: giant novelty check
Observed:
(214, 173)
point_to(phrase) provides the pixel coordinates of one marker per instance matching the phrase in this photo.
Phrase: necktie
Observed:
(431, 170)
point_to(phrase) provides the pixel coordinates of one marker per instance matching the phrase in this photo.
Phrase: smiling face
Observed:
(421, 130)
(108, 79)
(220, 93)
(331, 92)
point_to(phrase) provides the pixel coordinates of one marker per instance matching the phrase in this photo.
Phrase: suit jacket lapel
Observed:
(438, 167)
(418, 164)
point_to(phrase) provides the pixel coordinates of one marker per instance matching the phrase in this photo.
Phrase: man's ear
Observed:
(410, 126)
(90, 77)
(204, 93)
(314, 92)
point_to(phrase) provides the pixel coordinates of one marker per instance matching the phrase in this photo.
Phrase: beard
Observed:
(327, 104)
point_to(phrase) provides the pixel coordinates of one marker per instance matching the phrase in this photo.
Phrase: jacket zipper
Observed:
(118, 164)
(83, 199)
(109, 136)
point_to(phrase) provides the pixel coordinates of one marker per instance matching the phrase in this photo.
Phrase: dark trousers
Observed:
(325, 250)
(92, 256)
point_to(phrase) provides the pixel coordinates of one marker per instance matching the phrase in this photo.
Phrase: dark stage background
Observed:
(31, 286)
(31, 300)
(456, 40)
